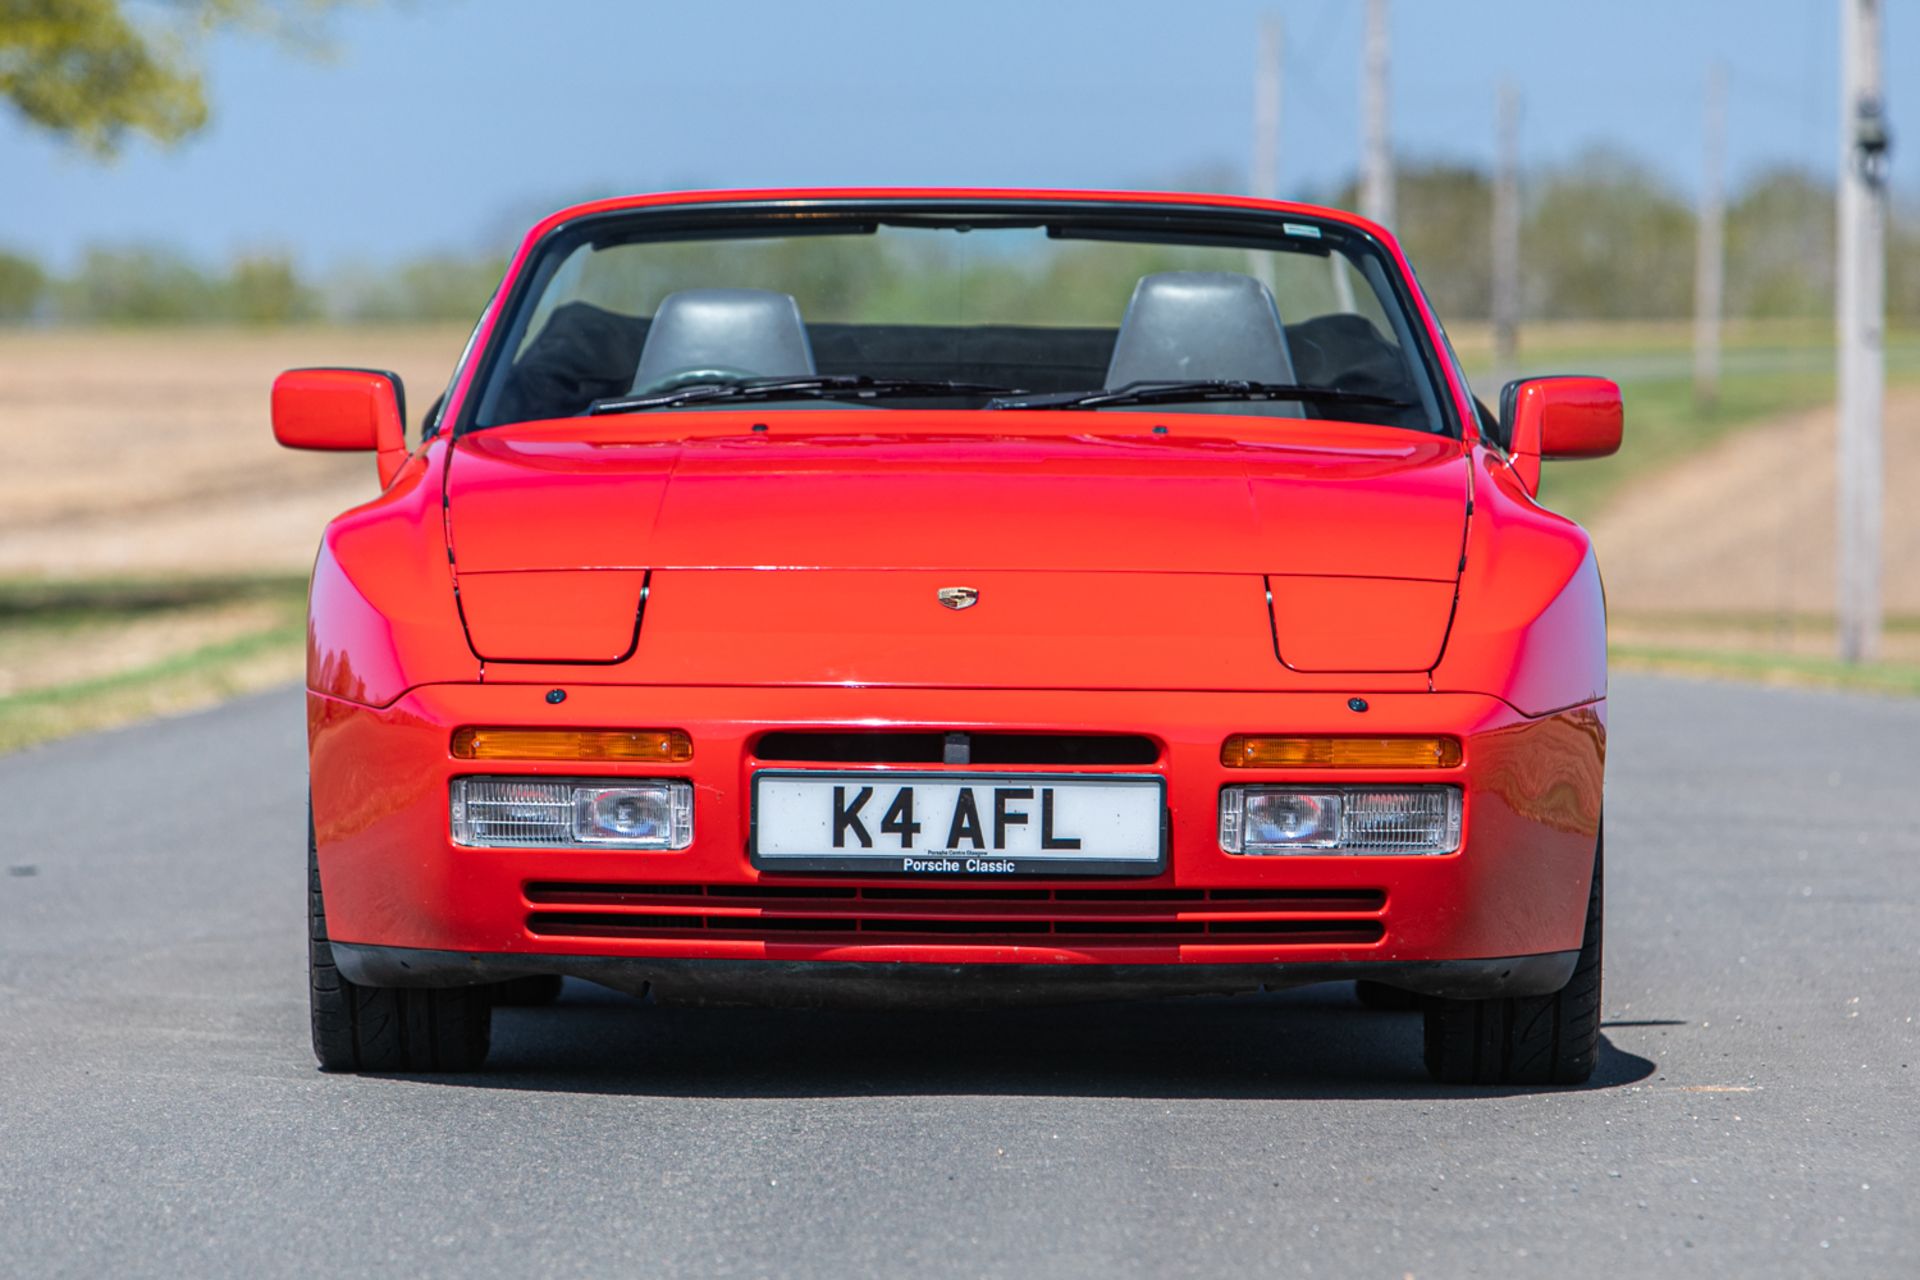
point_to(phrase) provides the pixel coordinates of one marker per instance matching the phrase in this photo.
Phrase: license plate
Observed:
(964, 824)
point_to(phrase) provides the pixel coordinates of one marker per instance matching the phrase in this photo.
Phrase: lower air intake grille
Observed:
(1077, 918)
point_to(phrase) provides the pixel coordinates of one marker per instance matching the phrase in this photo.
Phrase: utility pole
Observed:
(1376, 186)
(1506, 237)
(1265, 169)
(1861, 315)
(1710, 252)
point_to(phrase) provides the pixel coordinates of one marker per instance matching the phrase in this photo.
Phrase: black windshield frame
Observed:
(1066, 218)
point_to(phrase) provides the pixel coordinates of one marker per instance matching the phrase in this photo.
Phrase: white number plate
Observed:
(966, 824)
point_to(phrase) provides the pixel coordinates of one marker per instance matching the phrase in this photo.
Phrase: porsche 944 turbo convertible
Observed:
(970, 596)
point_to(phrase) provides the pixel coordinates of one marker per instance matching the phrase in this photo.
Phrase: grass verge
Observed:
(1800, 670)
(87, 655)
(197, 678)
(58, 602)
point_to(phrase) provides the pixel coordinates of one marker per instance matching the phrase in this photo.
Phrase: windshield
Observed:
(1063, 307)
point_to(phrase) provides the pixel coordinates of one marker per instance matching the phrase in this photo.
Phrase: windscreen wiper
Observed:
(813, 387)
(1196, 389)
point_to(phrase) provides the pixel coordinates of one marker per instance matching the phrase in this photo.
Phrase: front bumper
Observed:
(805, 984)
(1511, 900)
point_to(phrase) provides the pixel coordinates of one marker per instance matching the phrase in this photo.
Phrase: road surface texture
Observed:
(1754, 1112)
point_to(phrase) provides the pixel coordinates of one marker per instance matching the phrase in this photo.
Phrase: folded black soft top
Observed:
(586, 353)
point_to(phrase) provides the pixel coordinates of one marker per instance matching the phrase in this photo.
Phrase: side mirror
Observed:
(343, 409)
(1559, 417)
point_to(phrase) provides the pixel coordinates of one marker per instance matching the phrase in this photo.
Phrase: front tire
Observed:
(389, 1029)
(1525, 1039)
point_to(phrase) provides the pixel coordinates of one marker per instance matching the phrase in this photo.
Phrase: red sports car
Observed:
(956, 596)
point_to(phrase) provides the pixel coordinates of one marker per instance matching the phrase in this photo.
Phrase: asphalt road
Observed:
(1754, 1112)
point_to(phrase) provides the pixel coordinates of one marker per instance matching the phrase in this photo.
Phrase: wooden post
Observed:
(1506, 239)
(1376, 189)
(1710, 252)
(1265, 169)
(1861, 313)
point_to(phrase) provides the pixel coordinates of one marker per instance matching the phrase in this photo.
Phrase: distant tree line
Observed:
(1603, 238)
(152, 284)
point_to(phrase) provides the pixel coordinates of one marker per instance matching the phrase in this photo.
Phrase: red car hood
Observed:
(1047, 496)
(1339, 500)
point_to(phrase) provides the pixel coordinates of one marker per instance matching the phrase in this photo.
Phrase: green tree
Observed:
(1606, 239)
(88, 71)
(22, 282)
(1446, 228)
(1780, 246)
(434, 287)
(1444, 222)
(141, 284)
(265, 289)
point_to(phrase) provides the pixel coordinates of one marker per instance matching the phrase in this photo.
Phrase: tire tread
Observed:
(357, 1028)
(1527, 1040)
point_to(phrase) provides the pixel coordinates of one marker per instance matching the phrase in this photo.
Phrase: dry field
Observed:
(149, 451)
(1747, 526)
(153, 538)
(89, 648)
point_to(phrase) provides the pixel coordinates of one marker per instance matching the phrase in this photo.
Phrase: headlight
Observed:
(1340, 820)
(545, 813)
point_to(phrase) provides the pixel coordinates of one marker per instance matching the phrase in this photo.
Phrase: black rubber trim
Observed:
(815, 983)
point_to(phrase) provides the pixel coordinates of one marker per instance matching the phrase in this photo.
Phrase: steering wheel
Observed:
(691, 378)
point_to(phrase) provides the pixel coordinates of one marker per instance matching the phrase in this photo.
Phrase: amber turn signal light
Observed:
(1245, 751)
(650, 746)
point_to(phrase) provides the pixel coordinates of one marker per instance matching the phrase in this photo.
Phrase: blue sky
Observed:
(452, 123)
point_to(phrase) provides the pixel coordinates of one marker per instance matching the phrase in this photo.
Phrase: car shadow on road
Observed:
(1310, 1043)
